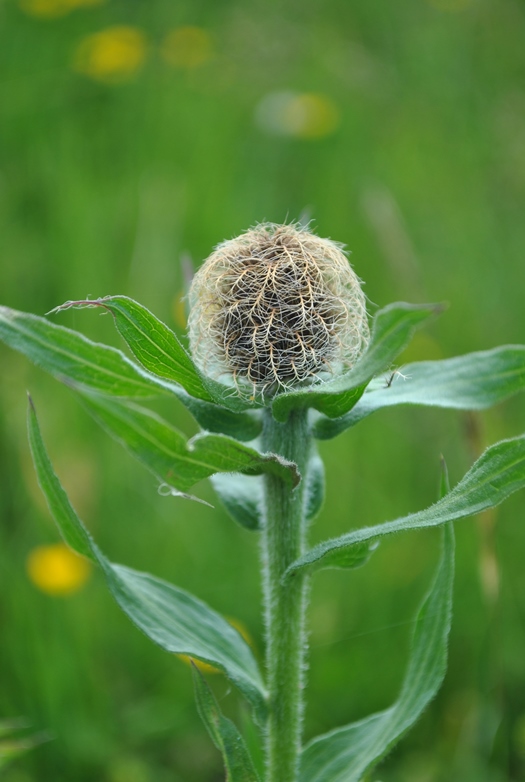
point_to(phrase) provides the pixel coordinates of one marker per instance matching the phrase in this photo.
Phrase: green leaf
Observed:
(498, 472)
(344, 558)
(472, 382)
(172, 618)
(170, 456)
(242, 496)
(392, 329)
(151, 341)
(243, 426)
(237, 761)
(71, 357)
(315, 486)
(160, 352)
(346, 754)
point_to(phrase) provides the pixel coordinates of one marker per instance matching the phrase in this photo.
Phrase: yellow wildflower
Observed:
(187, 47)
(57, 570)
(111, 55)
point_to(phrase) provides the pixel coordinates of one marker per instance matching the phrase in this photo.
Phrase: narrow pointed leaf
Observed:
(151, 341)
(170, 456)
(224, 734)
(158, 349)
(171, 617)
(346, 754)
(472, 382)
(74, 359)
(498, 472)
(392, 329)
(69, 356)
(73, 531)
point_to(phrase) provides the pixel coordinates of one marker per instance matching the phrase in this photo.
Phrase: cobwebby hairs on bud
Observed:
(276, 307)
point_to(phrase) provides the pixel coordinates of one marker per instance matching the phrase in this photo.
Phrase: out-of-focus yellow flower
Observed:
(187, 47)
(50, 9)
(307, 115)
(57, 570)
(111, 55)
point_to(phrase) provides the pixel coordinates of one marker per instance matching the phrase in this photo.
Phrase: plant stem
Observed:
(283, 541)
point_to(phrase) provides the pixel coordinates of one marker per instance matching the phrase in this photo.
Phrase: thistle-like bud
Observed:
(274, 308)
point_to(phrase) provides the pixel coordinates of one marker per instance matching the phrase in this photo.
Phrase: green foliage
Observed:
(237, 761)
(346, 754)
(154, 345)
(315, 487)
(472, 382)
(499, 472)
(159, 351)
(71, 357)
(392, 329)
(170, 456)
(171, 617)
(106, 187)
(242, 495)
(181, 623)
(344, 557)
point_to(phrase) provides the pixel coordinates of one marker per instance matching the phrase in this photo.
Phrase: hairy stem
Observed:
(283, 541)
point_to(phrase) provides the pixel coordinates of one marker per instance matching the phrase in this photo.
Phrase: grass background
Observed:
(104, 187)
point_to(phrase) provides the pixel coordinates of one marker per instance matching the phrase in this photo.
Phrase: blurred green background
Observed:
(136, 135)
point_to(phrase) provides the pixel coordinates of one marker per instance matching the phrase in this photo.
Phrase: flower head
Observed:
(276, 307)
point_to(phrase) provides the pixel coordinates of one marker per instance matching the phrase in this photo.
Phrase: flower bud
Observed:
(275, 308)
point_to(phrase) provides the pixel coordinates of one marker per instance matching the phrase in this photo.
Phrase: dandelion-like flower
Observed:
(276, 307)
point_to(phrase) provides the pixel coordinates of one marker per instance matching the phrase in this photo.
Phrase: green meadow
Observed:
(134, 137)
